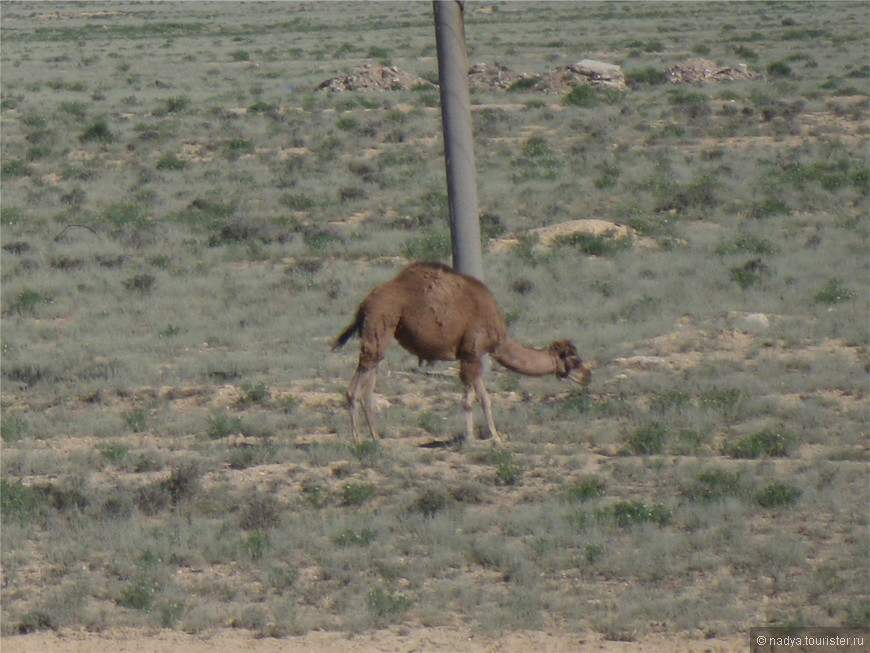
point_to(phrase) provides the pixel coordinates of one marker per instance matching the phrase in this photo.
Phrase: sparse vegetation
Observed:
(188, 223)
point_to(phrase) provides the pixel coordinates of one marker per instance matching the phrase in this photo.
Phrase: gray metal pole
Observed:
(458, 140)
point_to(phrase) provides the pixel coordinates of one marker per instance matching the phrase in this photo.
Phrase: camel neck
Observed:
(525, 360)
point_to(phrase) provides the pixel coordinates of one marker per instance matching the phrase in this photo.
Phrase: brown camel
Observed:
(438, 314)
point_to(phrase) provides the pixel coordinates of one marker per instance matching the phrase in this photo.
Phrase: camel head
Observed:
(569, 365)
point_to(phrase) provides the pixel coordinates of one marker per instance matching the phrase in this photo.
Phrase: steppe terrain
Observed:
(188, 222)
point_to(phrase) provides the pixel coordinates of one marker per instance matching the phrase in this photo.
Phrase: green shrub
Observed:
(861, 181)
(114, 452)
(630, 513)
(170, 331)
(714, 485)
(171, 162)
(176, 104)
(170, 612)
(136, 419)
(835, 292)
(139, 593)
(140, 283)
(27, 301)
(314, 494)
(13, 427)
(722, 400)
(367, 451)
(254, 393)
(648, 440)
(768, 208)
(122, 216)
(697, 195)
(537, 160)
(777, 494)
(320, 241)
(298, 202)
(347, 123)
(350, 537)
(223, 424)
(779, 69)
(585, 490)
(255, 545)
(98, 131)
(649, 76)
(507, 470)
(769, 442)
(581, 96)
(749, 274)
(746, 244)
(76, 109)
(15, 168)
(672, 400)
(260, 513)
(356, 494)
(234, 147)
(592, 553)
(386, 607)
(594, 244)
(430, 502)
(22, 503)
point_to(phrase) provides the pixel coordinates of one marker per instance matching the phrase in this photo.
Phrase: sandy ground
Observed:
(421, 640)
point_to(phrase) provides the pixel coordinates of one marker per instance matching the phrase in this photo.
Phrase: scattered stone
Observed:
(494, 77)
(374, 78)
(750, 322)
(703, 70)
(599, 73)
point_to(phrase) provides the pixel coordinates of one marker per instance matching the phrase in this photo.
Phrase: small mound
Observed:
(496, 77)
(374, 78)
(547, 236)
(703, 70)
(585, 72)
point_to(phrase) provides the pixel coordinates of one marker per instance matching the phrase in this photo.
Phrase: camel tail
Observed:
(355, 329)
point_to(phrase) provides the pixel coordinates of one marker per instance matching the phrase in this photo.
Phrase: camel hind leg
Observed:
(376, 335)
(362, 387)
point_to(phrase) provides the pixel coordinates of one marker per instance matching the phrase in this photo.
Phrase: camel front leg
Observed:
(471, 374)
(362, 384)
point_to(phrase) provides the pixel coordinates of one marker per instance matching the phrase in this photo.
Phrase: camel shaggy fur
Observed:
(438, 314)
